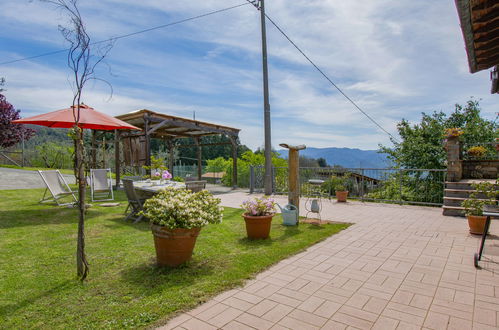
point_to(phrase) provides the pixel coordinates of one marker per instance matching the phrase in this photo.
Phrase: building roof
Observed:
(480, 27)
(162, 125)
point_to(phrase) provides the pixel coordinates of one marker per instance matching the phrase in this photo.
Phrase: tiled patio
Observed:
(397, 267)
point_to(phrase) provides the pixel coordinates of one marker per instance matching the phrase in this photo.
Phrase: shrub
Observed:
(181, 208)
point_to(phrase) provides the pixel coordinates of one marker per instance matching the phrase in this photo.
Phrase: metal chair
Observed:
(135, 204)
(101, 185)
(57, 186)
(195, 186)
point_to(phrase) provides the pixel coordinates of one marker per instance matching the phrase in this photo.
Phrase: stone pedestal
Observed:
(454, 163)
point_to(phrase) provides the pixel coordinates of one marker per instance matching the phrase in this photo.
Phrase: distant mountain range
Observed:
(346, 157)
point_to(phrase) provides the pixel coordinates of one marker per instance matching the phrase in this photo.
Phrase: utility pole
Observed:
(266, 105)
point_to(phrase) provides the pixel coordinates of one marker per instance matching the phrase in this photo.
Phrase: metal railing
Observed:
(390, 185)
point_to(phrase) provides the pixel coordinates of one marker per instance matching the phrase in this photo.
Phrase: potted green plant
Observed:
(177, 216)
(339, 185)
(258, 213)
(474, 205)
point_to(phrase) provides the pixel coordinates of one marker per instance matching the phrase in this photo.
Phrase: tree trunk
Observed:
(81, 260)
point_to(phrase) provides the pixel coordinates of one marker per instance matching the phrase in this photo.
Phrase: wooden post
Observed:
(104, 151)
(93, 152)
(22, 151)
(117, 156)
(148, 142)
(234, 162)
(199, 152)
(171, 151)
(294, 174)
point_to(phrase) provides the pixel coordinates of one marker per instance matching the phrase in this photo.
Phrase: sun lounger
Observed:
(57, 187)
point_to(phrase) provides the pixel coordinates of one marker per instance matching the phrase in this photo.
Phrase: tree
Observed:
(421, 144)
(82, 63)
(322, 162)
(11, 134)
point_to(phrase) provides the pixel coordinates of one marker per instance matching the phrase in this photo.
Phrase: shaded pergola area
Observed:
(137, 145)
(480, 25)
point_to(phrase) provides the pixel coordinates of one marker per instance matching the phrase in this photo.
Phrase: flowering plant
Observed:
(477, 151)
(454, 132)
(259, 206)
(166, 175)
(181, 208)
(156, 168)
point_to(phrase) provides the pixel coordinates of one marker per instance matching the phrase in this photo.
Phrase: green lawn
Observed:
(38, 286)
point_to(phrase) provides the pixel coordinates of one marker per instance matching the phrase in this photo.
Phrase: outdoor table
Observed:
(478, 256)
(147, 189)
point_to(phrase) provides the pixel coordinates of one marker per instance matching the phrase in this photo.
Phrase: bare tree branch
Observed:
(82, 63)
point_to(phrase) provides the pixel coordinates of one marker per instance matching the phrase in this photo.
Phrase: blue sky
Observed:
(396, 59)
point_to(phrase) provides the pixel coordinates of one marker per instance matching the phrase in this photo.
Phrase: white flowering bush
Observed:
(181, 208)
(259, 206)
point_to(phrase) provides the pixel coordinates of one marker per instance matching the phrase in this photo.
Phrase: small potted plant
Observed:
(258, 216)
(474, 206)
(177, 216)
(339, 185)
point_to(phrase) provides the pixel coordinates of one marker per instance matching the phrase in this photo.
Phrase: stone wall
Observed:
(480, 169)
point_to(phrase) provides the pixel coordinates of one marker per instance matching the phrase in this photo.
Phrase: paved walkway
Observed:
(397, 267)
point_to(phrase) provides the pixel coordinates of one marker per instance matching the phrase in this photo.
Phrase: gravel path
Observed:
(11, 178)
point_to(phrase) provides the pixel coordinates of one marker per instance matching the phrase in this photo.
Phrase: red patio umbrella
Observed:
(89, 118)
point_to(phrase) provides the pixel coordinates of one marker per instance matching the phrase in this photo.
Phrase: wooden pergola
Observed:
(480, 27)
(137, 145)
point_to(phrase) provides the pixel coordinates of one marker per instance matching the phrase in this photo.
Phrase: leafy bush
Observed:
(475, 205)
(336, 183)
(11, 134)
(248, 158)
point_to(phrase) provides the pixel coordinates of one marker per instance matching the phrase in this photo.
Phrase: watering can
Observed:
(289, 214)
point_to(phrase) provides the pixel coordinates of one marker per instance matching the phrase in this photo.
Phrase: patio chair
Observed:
(134, 202)
(57, 186)
(195, 186)
(101, 185)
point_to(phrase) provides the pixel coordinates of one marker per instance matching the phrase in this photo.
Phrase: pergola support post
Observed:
(148, 142)
(233, 141)
(199, 153)
(171, 154)
(93, 152)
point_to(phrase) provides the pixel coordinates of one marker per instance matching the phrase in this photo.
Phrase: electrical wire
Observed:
(130, 34)
(328, 79)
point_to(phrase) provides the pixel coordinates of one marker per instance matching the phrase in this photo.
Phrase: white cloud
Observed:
(395, 59)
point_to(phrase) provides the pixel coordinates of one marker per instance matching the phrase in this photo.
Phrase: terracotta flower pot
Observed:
(477, 224)
(174, 246)
(258, 227)
(341, 196)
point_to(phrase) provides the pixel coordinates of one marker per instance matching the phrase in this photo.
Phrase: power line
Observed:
(130, 34)
(328, 79)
